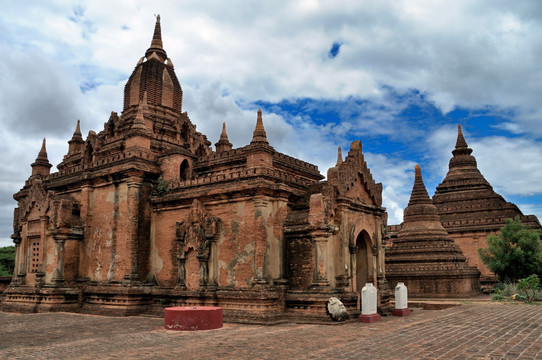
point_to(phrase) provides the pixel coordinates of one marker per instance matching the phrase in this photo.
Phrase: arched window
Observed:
(184, 170)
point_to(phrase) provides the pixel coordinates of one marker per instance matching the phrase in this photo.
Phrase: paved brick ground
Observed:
(487, 331)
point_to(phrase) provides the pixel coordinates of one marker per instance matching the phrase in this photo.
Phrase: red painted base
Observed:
(369, 318)
(192, 318)
(401, 312)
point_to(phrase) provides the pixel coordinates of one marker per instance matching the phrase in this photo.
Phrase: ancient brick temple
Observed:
(470, 209)
(144, 215)
(424, 256)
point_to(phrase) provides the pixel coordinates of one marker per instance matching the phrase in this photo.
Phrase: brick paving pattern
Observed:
(487, 331)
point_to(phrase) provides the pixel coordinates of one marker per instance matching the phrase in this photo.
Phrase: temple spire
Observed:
(259, 135)
(339, 156)
(461, 147)
(77, 133)
(224, 135)
(42, 165)
(419, 193)
(76, 142)
(223, 143)
(440, 266)
(156, 43)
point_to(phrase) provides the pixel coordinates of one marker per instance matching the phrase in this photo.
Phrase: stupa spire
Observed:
(43, 152)
(77, 133)
(224, 135)
(76, 142)
(42, 165)
(156, 43)
(259, 135)
(419, 193)
(461, 147)
(223, 143)
(339, 156)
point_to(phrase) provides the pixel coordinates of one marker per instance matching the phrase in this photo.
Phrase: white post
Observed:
(368, 304)
(401, 300)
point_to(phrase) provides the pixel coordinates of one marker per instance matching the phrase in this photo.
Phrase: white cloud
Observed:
(469, 54)
(397, 177)
(512, 165)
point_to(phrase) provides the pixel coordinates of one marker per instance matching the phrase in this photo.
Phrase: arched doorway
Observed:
(362, 262)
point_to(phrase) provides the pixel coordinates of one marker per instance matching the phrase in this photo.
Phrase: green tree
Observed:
(7, 260)
(529, 286)
(514, 253)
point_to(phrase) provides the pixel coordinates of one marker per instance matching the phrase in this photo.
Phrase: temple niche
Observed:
(145, 214)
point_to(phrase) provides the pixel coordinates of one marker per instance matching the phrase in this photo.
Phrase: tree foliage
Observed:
(7, 260)
(529, 286)
(514, 253)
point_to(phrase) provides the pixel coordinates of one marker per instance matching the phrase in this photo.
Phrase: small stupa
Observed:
(424, 257)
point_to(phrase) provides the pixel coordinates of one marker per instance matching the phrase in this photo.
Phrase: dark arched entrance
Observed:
(362, 262)
(183, 171)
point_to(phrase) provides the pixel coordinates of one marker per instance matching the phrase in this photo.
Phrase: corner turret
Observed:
(77, 142)
(41, 166)
(259, 136)
(223, 143)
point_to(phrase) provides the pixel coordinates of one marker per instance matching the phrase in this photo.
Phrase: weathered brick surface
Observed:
(487, 331)
(424, 256)
(144, 212)
(470, 209)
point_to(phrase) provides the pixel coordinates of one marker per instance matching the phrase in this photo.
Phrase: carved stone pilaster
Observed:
(320, 259)
(320, 239)
(58, 273)
(134, 188)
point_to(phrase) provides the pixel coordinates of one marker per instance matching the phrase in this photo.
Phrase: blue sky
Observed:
(397, 75)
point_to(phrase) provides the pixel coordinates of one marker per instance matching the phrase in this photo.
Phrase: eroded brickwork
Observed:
(144, 214)
(470, 209)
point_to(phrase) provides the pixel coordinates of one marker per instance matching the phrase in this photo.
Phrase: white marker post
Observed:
(401, 301)
(368, 304)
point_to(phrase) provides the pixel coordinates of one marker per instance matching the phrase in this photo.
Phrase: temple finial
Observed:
(460, 143)
(78, 129)
(156, 43)
(42, 165)
(419, 193)
(157, 36)
(77, 136)
(461, 147)
(224, 134)
(223, 143)
(259, 135)
(43, 150)
(76, 142)
(339, 157)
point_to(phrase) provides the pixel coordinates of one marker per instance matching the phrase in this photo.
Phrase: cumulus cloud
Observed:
(62, 62)
(512, 165)
(397, 177)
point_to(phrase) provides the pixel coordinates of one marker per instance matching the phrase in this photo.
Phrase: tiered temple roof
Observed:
(467, 202)
(424, 256)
